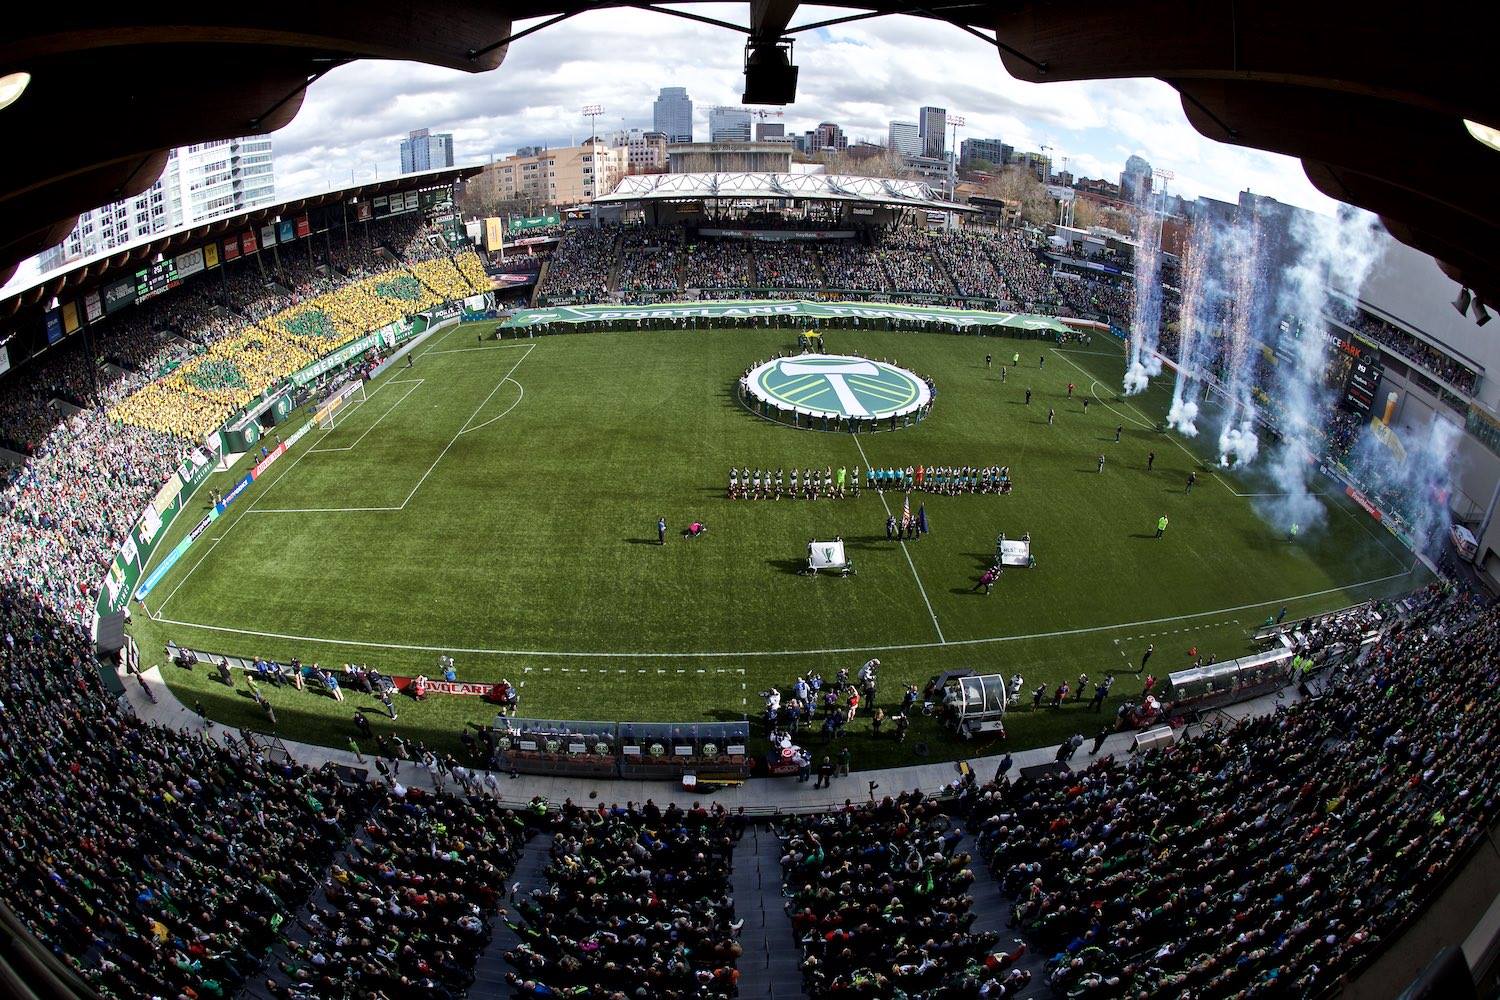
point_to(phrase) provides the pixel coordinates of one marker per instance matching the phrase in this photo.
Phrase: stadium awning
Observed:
(781, 187)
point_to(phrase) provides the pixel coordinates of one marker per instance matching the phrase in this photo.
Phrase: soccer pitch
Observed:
(498, 501)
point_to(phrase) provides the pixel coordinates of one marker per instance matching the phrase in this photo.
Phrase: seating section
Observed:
(409, 907)
(1271, 858)
(637, 905)
(879, 901)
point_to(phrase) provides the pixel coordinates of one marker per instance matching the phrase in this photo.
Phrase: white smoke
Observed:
(1341, 249)
(1415, 479)
(1238, 445)
(1184, 417)
(1145, 320)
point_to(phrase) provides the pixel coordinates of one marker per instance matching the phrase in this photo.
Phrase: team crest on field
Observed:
(838, 384)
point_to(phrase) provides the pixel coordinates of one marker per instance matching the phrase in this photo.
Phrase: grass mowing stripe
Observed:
(830, 650)
(906, 552)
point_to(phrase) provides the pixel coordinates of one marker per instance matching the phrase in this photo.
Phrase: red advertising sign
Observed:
(1364, 502)
(231, 248)
(265, 463)
(248, 241)
(474, 690)
(304, 228)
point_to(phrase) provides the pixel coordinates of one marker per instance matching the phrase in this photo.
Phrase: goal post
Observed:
(335, 406)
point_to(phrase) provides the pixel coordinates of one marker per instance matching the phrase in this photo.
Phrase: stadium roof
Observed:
(780, 187)
(82, 275)
(1372, 97)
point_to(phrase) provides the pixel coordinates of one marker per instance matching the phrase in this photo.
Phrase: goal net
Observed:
(332, 409)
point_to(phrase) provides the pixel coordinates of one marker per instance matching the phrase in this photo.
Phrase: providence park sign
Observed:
(837, 385)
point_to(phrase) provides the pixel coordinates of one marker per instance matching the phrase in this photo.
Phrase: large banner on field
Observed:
(752, 310)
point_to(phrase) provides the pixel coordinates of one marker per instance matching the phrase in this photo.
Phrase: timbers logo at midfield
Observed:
(838, 384)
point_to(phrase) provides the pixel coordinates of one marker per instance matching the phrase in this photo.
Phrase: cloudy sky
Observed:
(860, 75)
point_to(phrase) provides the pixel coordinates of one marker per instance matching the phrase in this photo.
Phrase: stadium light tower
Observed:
(592, 113)
(955, 122)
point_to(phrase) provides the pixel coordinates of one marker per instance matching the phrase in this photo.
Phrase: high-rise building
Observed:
(422, 149)
(728, 125)
(1039, 165)
(987, 150)
(769, 130)
(646, 152)
(200, 183)
(672, 114)
(932, 126)
(570, 175)
(829, 136)
(1135, 179)
(905, 139)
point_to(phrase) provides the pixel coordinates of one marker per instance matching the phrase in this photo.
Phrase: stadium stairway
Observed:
(992, 912)
(530, 873)
(768, 966)
(294, 932)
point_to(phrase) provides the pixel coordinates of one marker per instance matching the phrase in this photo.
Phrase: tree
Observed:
(1021, 188)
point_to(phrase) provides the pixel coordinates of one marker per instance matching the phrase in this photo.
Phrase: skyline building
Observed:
(672, 114)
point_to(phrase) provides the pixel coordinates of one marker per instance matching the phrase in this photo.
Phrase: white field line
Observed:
(520, 395)
(470, 350)
(921, 589)
(225, 533)
(350, 447)
(836, 650)
(402, 506)
(1094, 382)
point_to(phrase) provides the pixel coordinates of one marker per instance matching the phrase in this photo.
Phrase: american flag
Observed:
(906, 511)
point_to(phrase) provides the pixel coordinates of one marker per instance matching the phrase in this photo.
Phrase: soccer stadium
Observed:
(770, 567)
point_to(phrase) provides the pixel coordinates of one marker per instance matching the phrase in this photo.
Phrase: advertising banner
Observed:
(341, 356)
(138, 548)
(521, 223)
(210, 255)
(70, 316)
(304, 227)
(411, 201)
(234, 494)
(268, 236)
(150, 525)
(92, 308)
(494, 239)
(190, 263)
(232, 248)
(362, 211)
(4, 359)
(247, 242)
(167, 495)
(284, 231)
(266, 462)
(54, 326)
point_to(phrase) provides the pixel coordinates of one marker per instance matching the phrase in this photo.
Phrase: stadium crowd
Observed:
(1271, 857)
(410, 905)
(637, 905)
(879, 902)
(1439, 363)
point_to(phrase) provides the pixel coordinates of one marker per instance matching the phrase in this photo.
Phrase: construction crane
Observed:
(756, 112)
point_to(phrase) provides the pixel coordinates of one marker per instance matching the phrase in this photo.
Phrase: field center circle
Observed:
(838, 385)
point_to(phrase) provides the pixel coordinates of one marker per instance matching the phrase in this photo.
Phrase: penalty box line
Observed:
(462, 430)
(836, 650)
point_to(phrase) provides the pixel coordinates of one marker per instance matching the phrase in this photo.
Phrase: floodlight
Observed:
(12, 86)
(770, 77)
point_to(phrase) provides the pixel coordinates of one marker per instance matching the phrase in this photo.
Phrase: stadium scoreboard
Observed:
(1363, 382)
(156, 278)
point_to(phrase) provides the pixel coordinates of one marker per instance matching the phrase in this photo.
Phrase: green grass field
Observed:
(498, 501)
